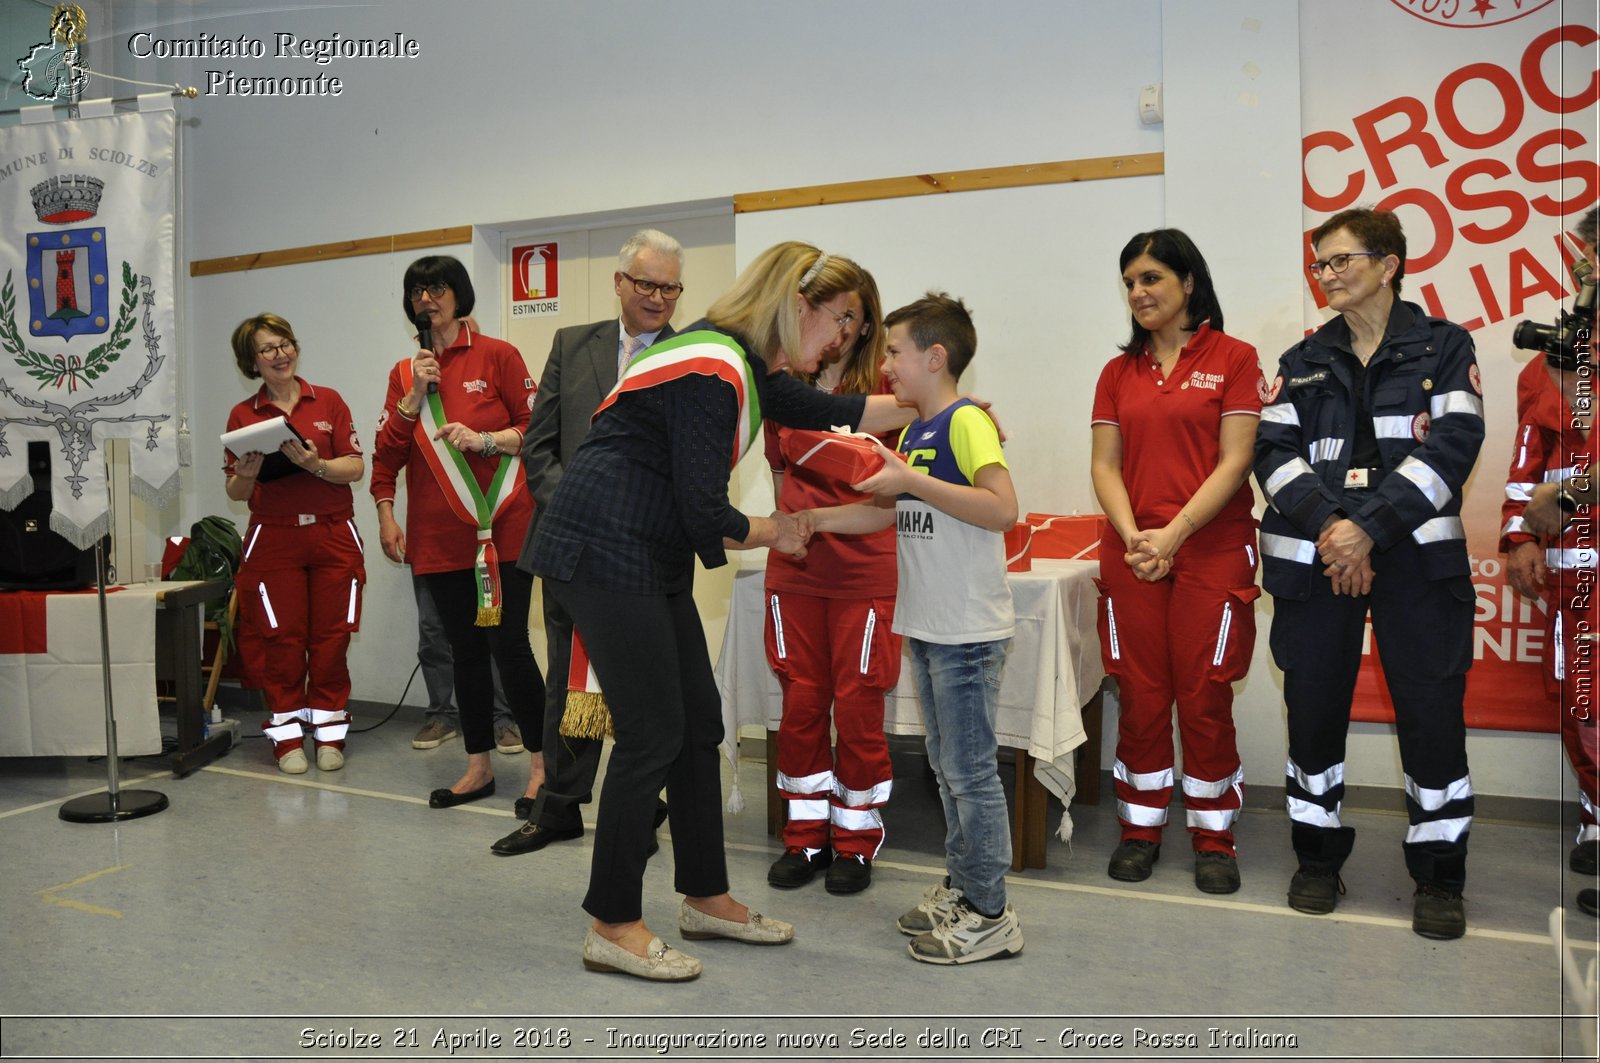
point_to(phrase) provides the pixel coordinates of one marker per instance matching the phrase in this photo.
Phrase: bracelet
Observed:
(400, 408)
(490, 447)
(322, 469)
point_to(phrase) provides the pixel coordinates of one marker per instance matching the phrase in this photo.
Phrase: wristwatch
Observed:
(490, 447)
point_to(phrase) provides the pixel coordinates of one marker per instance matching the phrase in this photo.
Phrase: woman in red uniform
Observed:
(300, 577)
(829, 641)
(453, 422)
(1174, 424)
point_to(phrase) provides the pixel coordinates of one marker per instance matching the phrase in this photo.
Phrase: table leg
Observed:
(1086, 769)
(178, 648)
(1028, 827)
(777, 807)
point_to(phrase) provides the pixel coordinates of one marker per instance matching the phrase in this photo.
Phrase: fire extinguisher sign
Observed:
(535, 275)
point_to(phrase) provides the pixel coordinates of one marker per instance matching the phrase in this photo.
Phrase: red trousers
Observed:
(299, 601)
(834, 653)
(1183, 639)
(1569, 680)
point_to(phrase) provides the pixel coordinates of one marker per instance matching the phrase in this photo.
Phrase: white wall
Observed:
(540, 109)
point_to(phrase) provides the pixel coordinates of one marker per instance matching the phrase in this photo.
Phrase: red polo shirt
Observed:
(835, 566)
(322, 417)
(1170, 427)
(486, 386)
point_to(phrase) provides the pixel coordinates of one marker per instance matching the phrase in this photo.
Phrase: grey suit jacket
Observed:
(579, 373)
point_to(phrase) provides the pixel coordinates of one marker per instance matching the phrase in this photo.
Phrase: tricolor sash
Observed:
(700, 352)
(586, 714)
(471, 503)
(704, 353)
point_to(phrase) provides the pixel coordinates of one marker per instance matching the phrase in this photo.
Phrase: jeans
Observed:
(959, 688)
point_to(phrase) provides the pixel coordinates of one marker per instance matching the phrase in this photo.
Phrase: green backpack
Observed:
(212, 554)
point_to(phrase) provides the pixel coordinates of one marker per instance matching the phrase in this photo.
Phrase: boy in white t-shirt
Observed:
(952, 500)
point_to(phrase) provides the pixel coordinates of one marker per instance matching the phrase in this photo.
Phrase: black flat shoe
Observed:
(530, 838)
(523, 807)
(447, 798)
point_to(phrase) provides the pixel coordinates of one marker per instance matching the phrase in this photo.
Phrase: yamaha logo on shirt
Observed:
(914, 523)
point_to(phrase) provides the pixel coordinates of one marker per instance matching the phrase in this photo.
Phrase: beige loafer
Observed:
(696, 925)
(661, 962)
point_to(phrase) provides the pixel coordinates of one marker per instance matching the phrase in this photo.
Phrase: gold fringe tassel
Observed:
(586, 716)
(488, 616)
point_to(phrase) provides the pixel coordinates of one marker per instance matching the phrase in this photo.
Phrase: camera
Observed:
(1568, 342)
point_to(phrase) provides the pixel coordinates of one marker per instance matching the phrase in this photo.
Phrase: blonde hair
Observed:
(760, 307)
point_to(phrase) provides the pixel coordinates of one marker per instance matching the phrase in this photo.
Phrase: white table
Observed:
(1052, 673)
(52, 689)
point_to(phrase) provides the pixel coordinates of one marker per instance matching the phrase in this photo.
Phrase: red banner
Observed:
(1475, 123)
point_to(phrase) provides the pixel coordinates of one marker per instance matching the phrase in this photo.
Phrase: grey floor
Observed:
(265, 916)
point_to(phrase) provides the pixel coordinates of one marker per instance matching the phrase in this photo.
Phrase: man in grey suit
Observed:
(584, 364)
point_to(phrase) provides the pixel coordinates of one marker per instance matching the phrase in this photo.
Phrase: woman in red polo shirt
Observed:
(1174, 425)
(301, 573)
(453, 421)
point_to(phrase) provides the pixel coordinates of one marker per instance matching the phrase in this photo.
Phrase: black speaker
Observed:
(32, 557)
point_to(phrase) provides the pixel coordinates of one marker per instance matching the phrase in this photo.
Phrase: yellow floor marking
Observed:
(49, 894)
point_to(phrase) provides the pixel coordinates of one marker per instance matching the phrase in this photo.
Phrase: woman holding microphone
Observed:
(453, 422)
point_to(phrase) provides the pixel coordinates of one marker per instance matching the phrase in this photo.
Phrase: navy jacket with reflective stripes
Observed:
(1425, 398)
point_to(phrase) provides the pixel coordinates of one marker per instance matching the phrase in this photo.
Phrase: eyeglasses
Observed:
(272, 349)
(435, 290)
(843, 321)
(1340, 263)
(668, 292)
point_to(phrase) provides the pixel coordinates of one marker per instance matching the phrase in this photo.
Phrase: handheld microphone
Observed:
(424, 325)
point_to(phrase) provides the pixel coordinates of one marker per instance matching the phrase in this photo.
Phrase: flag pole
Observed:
(115, 804)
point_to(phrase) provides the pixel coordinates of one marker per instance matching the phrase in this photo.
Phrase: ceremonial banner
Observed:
(1475, 122)
(86, 309)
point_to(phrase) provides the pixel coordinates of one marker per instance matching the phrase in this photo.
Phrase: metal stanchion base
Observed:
(111, 808)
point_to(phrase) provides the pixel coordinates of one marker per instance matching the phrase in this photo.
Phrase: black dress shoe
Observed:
(1589, 902)
(530, 838)
(448, 798)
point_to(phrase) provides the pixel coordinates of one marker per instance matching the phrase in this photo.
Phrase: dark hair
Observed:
(937, 318)
(1173, 249)
(244, 337)
(438, 269)
(1374, 230)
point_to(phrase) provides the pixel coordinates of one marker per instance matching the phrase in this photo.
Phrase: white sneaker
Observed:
(936, 906)
(329, 758)
(967, 937)
(293, 762)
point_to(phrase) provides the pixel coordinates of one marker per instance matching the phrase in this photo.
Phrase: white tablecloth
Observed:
(1052, 671)
(52, 703)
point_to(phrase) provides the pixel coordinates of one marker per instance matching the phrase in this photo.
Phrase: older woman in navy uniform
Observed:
(1371, 429)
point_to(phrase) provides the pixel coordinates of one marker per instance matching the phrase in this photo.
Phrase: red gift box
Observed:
(1075, 538)
(1019, 555)
(846, 458)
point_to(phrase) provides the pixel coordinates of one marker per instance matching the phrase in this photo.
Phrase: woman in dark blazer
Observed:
(645, 494)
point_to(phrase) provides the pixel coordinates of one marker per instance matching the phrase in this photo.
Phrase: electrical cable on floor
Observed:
(363, 730)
